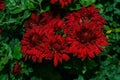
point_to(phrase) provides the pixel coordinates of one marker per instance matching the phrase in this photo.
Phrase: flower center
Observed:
(86, 17)
(55, 47)
(35, 39)
(85, 35)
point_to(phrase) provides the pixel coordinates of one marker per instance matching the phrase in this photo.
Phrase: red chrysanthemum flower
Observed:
(46, 17)
(32, 44)
(91, 14)
(2, 5)
(57, 49)
(57, 45)
(45, 43)
(56, 26)
(87, 40)
(16, 69)
(62, 2)
(86, 14)
(39, 20)
(32, 21)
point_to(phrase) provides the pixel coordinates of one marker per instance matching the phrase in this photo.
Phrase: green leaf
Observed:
(3, 77)
(16, 53)
(18, 9)
(1, 68)
(64, 35)
(40, 1)
(67, 67)
(78, 6)
(87, 2)
(15, 46)
(30, 69)
(117, 30)
(30, 4)
(6, 50)
(23, 2)
(4, 60)
(11, 1)
(35, 78)
(80, 78)
(26, 71)
(100, 7)
(75, 7)
(10, 53)
(84, 69)
(107, 27)
(26, 14)
(45, 9)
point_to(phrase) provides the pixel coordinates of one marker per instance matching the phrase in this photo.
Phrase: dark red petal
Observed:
(65, 57)
(55, 60)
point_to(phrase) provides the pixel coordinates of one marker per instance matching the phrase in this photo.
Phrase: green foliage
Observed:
(16, 54)
(80, 78)
(87, 2)
(4, 57)
(3, 77)
(109, 69)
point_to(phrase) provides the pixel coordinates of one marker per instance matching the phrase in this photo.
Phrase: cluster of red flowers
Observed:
(49, 37)
(2, 5)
